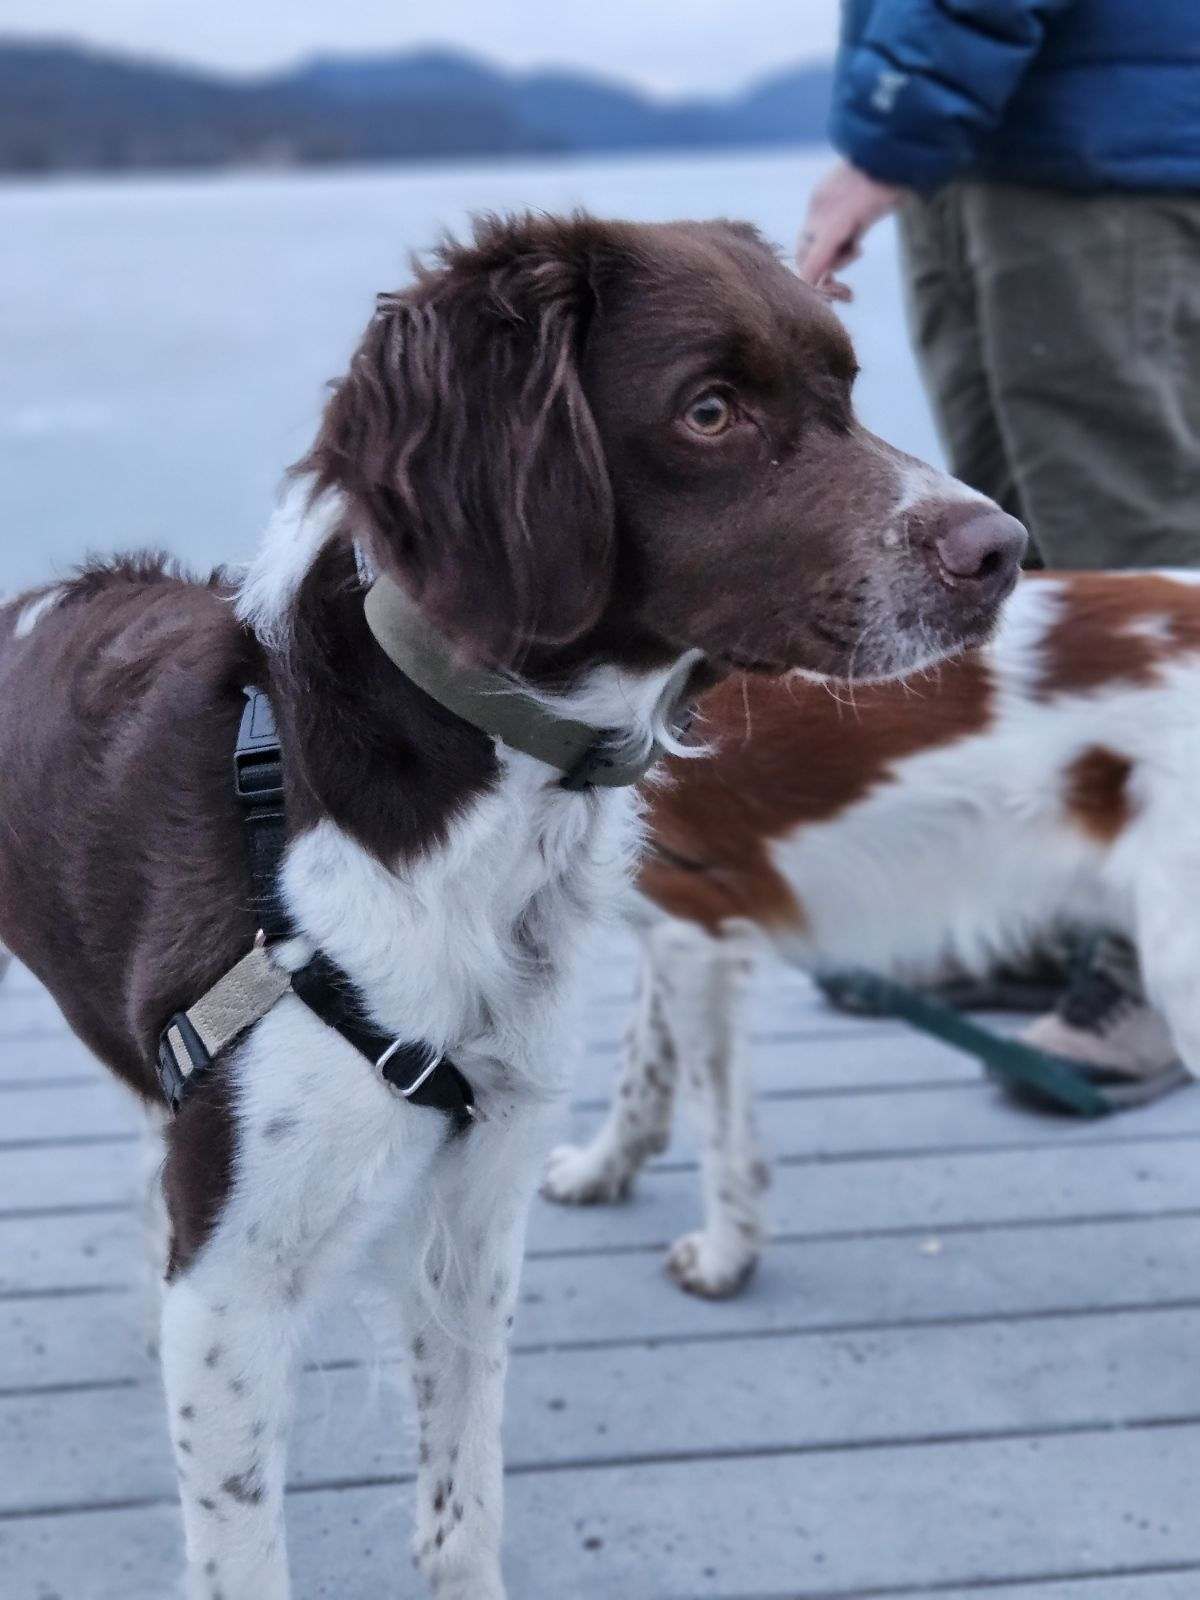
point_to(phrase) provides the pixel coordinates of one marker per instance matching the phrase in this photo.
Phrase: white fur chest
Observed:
(472, 945)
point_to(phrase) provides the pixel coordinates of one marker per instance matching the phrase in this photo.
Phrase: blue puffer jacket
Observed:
(1083, 94)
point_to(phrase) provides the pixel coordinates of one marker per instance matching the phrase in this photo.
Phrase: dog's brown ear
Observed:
(463, 441)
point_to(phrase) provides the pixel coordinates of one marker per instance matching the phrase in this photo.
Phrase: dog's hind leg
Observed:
(638, 1124)
(706, 988)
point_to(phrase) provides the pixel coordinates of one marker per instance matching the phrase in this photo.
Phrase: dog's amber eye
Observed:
(710, 415)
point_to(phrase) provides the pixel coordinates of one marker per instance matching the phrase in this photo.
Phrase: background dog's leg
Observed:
(638, 1124)
(705, 988)
(456, 1304)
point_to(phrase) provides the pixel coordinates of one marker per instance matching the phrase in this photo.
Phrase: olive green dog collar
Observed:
(504, 708)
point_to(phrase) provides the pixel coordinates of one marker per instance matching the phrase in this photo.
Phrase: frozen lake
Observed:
(166, 340)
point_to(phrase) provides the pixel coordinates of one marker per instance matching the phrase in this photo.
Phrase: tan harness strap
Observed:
(241, 998)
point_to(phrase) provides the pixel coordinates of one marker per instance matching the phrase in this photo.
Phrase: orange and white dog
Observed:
(925, 830)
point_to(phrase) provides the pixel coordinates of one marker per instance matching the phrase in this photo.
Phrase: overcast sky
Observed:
(668, 45)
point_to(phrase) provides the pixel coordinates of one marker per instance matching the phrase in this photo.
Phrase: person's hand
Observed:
(843, 206)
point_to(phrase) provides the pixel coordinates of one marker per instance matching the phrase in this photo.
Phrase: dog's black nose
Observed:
(979, 542)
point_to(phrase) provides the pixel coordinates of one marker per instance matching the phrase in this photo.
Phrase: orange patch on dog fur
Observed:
(711, 892)
(787, 753)
(1116, 629)
(1097, 793)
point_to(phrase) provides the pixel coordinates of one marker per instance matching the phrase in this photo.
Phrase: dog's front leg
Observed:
(312, 1134)
(704, 985)
(226, 1352)
(638, 1125)
(456, 1297)
(460, 1501)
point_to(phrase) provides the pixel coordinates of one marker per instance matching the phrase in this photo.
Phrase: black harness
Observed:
(415, 1069)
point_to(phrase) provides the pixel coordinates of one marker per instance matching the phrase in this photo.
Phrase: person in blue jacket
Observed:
(1044, 160)
(1044, 156)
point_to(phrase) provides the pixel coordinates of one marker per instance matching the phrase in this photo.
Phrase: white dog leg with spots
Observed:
(456, 1304)
(227, 1370)
(638, 1125)
(322, 1151)
(704, 985)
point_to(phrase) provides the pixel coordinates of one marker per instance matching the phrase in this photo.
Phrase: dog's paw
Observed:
(448, 1579)
(706, 1266)
(584, 1176)
(211, 1576)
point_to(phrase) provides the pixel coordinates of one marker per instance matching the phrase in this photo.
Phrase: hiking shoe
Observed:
(1104, 1024)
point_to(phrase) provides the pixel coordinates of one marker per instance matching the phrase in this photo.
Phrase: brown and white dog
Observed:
(926, 830)
(589, 451)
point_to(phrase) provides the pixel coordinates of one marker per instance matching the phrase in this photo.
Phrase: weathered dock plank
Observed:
(876, 1522)
(967, 1365)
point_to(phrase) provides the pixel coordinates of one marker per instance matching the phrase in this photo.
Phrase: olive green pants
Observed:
(1059, 336)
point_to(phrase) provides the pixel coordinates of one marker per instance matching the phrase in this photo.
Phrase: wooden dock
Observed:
(970, 1364)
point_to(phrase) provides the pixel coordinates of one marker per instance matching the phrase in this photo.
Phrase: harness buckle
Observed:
(258, 759)
(257, 778)
(172, 1079)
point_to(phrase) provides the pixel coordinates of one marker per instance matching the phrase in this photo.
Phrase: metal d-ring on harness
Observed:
(415, 1069)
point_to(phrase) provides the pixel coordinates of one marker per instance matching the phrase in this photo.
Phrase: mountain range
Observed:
(68, 107)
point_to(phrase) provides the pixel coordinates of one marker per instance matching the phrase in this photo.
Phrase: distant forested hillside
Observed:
(64, 107)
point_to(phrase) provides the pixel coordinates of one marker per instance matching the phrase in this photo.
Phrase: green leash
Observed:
(1021, 1068)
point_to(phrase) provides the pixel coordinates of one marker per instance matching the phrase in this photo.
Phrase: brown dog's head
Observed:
(579, 441)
